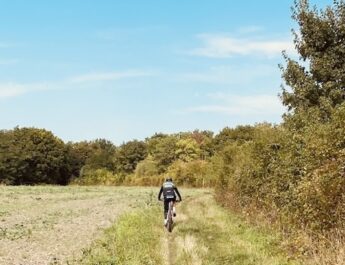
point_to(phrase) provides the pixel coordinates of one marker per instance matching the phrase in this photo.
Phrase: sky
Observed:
(123, 70)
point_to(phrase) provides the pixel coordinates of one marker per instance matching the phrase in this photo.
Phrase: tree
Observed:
(32, 156)
(153, 141)
(317, 79)
(187, 150)
(146, 168)
(129, 155)
(240, 134)
(205, 142)
(162, 148)
(78, 154)
(102, 156)
(96, 154)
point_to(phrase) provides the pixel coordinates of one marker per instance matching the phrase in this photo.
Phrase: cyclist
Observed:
(169, 191)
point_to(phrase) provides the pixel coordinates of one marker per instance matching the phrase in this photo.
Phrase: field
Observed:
(118, 225)
(45, 224)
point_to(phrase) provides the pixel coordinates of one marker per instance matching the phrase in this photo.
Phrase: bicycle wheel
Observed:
(170, 219)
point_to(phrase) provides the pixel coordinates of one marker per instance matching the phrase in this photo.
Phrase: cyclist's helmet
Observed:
(168, 179)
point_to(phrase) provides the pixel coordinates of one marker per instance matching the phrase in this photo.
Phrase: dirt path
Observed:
(206, 234)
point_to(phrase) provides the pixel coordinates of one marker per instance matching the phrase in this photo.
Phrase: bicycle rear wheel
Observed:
(170, 218)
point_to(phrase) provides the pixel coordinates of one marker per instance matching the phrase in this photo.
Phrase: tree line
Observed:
(36, 156)
(31, 156)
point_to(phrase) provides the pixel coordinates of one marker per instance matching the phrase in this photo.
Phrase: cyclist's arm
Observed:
(178, 194)
(160, 193)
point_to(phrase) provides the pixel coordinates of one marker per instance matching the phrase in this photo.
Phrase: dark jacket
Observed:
(169, 191)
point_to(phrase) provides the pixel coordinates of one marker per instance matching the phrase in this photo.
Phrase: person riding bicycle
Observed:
(169, 191)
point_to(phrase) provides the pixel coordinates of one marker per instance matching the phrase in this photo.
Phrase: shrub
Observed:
(193, 173)
(101, 176)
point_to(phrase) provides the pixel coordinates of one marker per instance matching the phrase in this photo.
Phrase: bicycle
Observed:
(170, 221)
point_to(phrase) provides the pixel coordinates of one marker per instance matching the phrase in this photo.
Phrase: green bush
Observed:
(153, 180)
(193, 173)
(146, 168)
(101, 176)
(295, 169)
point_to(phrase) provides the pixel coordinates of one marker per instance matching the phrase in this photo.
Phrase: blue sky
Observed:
(121, 70)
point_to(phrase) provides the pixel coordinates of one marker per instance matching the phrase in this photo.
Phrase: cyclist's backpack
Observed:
(168, 190)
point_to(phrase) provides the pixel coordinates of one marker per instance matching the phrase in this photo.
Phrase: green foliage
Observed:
(239, 134)
(129, 155)
(102, 155)
(95, 154)
(100, 161)
(101, 176)
(163, 150)
(204, 140)
(187, 150)
(29, 156)
(146, 174)
(297, 173)
(146, 168)
(193, 173)
(319, 80)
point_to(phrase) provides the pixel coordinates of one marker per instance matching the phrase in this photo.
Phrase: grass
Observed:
(134, 239)
(212, 236)
(204, 234)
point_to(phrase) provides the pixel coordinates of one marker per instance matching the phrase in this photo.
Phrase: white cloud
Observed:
(218, 46)
(230, 75)
(11, 89)
(255, 105)
(109, 76)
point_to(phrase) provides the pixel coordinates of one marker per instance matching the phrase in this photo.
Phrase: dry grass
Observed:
(327, 251)
(304, 244)
(48, 225)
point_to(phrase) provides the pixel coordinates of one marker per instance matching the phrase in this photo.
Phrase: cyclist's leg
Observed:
(174, 209)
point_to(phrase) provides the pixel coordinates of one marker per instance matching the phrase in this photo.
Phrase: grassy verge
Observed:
(132, 240)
